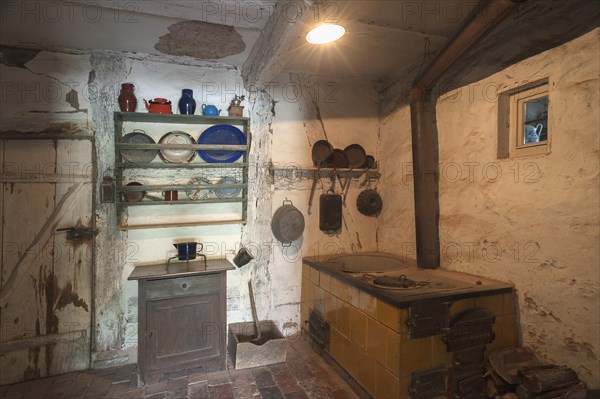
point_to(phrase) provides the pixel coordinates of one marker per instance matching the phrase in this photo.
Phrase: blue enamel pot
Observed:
(187, 250)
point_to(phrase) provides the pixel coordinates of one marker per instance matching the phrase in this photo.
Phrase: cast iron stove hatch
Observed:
(427, 318)
(428, 384)
(471, 328)
(394, 282)
(318, 329)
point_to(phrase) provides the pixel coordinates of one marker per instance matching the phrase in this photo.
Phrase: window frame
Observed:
(511, 119)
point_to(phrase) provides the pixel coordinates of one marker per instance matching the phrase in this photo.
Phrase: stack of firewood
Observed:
(550, 382)
(515, 373)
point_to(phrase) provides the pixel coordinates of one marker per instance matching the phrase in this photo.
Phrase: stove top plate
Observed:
(404, 281)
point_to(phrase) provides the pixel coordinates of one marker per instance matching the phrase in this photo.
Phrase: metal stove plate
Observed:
(377, 280)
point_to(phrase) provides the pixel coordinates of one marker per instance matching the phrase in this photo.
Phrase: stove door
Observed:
(427, 318)
(469, 329)
(472, 388)
(429, 384)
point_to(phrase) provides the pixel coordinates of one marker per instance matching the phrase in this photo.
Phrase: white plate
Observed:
(228, 192)
(177, 156)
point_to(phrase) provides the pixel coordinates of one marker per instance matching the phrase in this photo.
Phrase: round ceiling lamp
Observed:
(325, 33)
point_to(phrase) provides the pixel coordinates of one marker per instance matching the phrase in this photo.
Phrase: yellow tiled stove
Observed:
(368, 333)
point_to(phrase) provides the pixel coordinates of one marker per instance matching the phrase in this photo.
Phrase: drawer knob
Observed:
(184, 286)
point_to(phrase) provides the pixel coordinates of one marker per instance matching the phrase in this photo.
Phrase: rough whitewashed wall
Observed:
(118, 252)
(532, 221)
(529, 221)
(285, 120)
(288, 117)
(396, 227)
(344, 113)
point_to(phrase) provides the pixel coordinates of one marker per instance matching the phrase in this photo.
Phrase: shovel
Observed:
(259, 339)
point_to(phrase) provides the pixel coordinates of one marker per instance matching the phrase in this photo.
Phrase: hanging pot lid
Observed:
(369, 203)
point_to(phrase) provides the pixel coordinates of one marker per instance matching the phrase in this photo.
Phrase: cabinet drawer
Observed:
(183, 286)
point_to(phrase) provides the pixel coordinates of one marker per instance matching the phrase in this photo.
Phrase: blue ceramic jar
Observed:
(187, 104)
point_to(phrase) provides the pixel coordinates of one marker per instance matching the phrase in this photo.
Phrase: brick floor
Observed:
(305, 375)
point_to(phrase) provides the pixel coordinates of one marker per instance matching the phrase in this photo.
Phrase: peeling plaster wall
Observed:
(118, 252)
(529, 221)
(121, 27)
(285, 120)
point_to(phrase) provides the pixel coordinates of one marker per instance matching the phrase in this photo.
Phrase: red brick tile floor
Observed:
(304, 375)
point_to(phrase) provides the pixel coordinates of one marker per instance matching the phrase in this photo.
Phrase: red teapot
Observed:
(159, 106)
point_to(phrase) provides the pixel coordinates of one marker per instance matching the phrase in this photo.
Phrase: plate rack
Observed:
(191, 177)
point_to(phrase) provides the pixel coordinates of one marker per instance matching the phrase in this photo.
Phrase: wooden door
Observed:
(46, 257)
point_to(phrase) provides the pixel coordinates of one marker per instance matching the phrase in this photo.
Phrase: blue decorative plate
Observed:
(221, 134)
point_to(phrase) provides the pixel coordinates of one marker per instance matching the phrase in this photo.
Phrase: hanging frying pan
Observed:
(330, 213)
(321, 151)
(356, 156)
(370, 162)
(338, 159)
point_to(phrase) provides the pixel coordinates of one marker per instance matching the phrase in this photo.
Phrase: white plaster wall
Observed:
(396, 225)
(536, 224)
(347, 114)
(283, 126)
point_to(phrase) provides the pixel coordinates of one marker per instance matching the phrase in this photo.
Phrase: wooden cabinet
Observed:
(181, 317)
(219, 191)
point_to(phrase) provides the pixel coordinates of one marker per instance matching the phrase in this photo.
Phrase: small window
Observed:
(523, 121)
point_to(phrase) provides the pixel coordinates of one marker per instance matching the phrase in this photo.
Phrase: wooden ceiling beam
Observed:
(278, 41)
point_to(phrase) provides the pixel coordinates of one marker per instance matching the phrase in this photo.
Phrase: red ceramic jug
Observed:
(127, 100)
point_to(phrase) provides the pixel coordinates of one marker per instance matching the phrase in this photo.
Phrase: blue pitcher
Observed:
(210, 110)
(187, 104)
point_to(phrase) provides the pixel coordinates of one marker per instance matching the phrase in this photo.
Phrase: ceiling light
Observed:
(325, 33)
